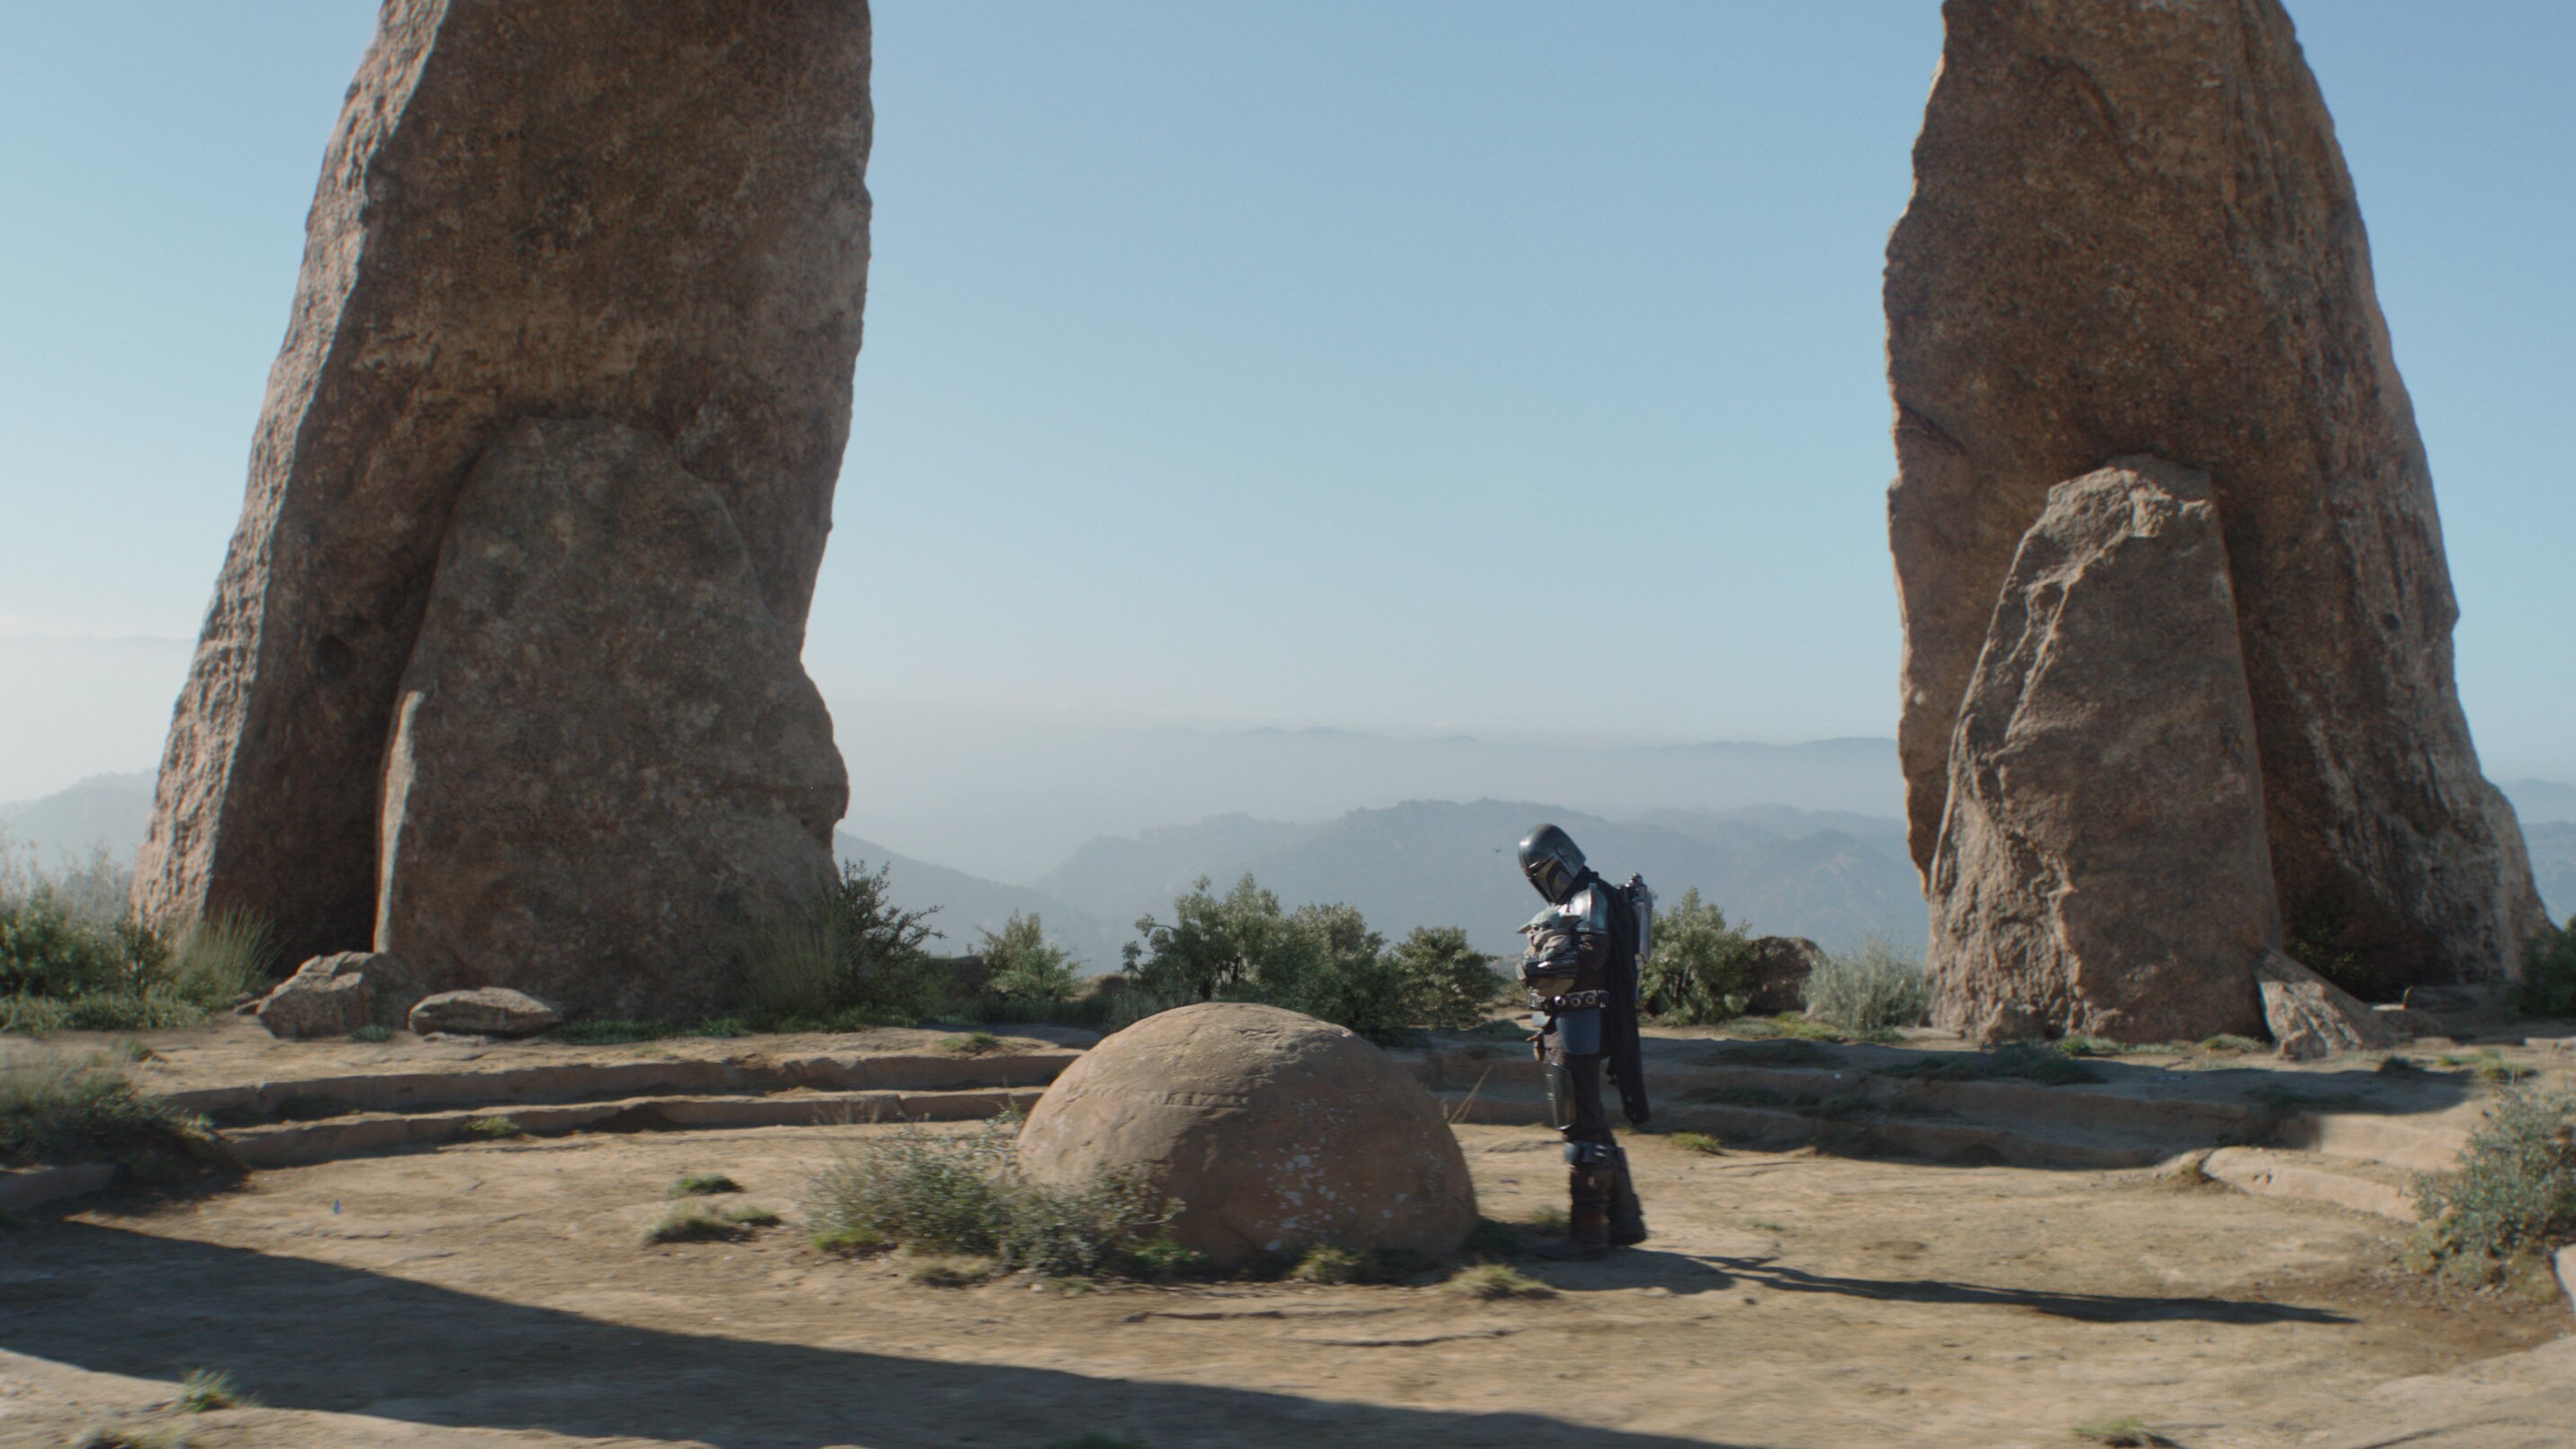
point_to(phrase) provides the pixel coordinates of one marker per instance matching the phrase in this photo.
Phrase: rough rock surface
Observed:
(2132, 231)
(2312, 1017)
(1276, 1131)
(335, 995)
(652, 211)
(2102, 866)
(483, 1011)
(1778, 979)
(608, 767)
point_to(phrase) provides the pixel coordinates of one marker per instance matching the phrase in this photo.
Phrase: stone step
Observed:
(2363, 1187)
(344, 1094)
(295, 1144)
(23, 1189)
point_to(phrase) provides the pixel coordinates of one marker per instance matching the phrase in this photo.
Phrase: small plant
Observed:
(492, 1128)
(1160, 1259)
(372, 1034)
(953, 1272)
(1701, 972)
(1699, 1142)
(2549, 975)
(850, 957)
(690, 1222)
(1329, 1265)
(1495, 1281)
(1766, 1225)
(1872, 990)
(215, 961)
(2077, 1044)
(961, 1194)
(54, 1108)
(134, 1052)
(2514, 1192)
(751, 1215)
(2229, 1044)
(971, 1044)
(205, 1390)
(2126, 1432)
(1026, 966)
(1548, 1220)
(703, 1184)
(852, 1242)
(2393, 1065)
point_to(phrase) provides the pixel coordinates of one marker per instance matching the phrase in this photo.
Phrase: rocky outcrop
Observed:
(2312, 1017)
(1274, 1130)
(335, 995)
(608, 768)
(2132, 231)
(483, 1011)
(647, 211)
(2102, 865)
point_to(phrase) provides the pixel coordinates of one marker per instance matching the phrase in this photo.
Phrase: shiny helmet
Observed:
(1553, 862)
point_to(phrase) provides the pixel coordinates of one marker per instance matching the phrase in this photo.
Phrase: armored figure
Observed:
(1580, 970)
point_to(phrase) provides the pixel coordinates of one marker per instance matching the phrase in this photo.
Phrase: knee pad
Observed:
(1591, 1154)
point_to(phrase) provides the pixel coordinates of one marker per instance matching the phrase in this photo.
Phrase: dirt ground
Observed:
(501, 1293)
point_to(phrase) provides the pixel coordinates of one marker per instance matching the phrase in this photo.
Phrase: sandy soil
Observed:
(500, 1293)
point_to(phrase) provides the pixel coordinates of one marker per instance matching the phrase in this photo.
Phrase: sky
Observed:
(1505, 368)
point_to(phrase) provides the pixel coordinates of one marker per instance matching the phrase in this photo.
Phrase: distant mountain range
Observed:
(1836, 876)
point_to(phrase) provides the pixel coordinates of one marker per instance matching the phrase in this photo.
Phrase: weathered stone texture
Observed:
(335, 995)
(607, 766)
(2102, 867)
(2132, 232)
(2312, 1017)
(651, 211)
(483, 1011)
(1274, 1130)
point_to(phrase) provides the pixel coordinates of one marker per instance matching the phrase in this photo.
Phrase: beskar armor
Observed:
(1552, 862)
(1568, 974)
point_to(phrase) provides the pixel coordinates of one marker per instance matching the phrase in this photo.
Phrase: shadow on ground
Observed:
(307, 1335)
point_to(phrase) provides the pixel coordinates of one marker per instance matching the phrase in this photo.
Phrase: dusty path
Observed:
(499, 1293)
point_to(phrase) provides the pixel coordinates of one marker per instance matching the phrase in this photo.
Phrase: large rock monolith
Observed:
(2132, 231)
(2102, 866)
(1275, 1131)
(608, 769)
(646, 211)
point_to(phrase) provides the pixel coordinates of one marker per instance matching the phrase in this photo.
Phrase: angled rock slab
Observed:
(652, 211)
(2132, 230)
(2102, 867)
(2312, 1017)
(608, 767)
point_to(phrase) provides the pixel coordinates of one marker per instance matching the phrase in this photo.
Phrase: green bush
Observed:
(71, 959)
(1319, 959)
(851, 957)
(1026, 966)
(1701, 970)
(2549, 975)
(962, 1194)
(2514, 1192)
(54, 1108)
(214, 961)
(1870, 991)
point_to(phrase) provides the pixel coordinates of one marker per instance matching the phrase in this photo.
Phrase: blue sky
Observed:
(1508, 368)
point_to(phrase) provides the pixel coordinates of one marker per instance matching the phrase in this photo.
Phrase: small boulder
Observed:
(1275, 1132)
(1777, 980)
(483, 1011)
(2312, 1017)
(335, 995)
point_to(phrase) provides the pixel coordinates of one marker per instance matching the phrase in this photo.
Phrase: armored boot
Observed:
(1587, 1234)
(1627, 1215)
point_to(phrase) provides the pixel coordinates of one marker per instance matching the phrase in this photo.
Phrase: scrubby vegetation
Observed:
(852, 958)
(2513, 1196)
(1701, 970)
(1872, 990)
(695, 1222)
(1320, 959)
(56, 1108)
(1026, 967)
(703, 1184)
(72, 959)
(1492, 1281)
(205, 1390)
(961, 1194)
(2549, 975)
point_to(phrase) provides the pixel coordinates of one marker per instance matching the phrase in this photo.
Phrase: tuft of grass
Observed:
(1326, 1264)
(2228, 1044)
(492, 1128)
(1697, 1142)
(132, 1051)
(372, 1034)
(1548, 1220)
(1789, 1029)
(751, 1215)
(2514, 1192)
(851, 1242)
(217, 960)
(1161, 1259)
(690, 1222)
(2126, 1432)
(703, 1184)
(1766, 1225)
(54, 1108)
(973, 1043)
(205, 1390)
(961, 1194)
(2393, 1065)
(953, 1272)
(1872, 990)
(1492, 1281)
(2077, 1044)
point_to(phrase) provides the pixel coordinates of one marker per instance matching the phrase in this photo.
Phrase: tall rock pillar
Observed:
(651, 213)
(2132, 233)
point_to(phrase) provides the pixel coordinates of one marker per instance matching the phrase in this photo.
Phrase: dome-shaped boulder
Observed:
(1274, 1130)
